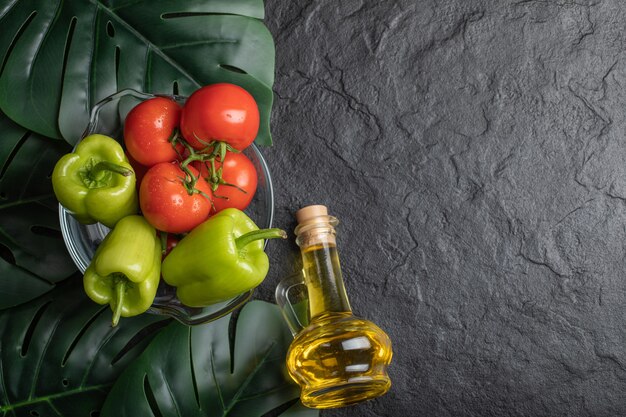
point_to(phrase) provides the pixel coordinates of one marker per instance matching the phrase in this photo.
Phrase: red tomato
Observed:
(165, 202)
(237, 170)
(223, 112)
(148, 129)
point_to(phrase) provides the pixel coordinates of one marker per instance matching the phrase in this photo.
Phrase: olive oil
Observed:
(324, 283)
(338, 359)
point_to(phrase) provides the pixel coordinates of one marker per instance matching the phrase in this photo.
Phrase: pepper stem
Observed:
(110, 166)
(120, 291)
(250, 237)
(163, 237)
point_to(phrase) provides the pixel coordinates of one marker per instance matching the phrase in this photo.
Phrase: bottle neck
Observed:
(322, 271)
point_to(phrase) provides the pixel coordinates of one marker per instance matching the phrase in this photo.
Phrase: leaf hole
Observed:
(31, 328)
(34, 413)
(46, 231)
(232, 68)
(178, 15)
(144, 335)
(14, 152)
(232, 331)
(193, 372)
(65, 382)
(68, 43)
(175, 88)
(110, 29)
(94, 413)
(117, 65)
(80, 334)
(152, 402)
(7, 254)
(16, 38)
(3, 195)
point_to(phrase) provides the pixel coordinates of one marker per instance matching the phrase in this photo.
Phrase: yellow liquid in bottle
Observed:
(338, 359)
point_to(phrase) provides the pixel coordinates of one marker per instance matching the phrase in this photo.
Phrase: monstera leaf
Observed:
(201, 371)
(61, 57)
(32, 254)
(59, 355)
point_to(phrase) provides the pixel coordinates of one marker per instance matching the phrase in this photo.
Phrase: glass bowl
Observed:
(107, 117)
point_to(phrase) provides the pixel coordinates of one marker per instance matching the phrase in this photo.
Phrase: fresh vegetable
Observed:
(95, 182)
(220, 112)
(234, 182)
(172, 199)
(168, 242)
(150, 129)
(125, 269)
(219, 259)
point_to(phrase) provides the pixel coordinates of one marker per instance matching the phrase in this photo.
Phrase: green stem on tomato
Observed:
(218, 149)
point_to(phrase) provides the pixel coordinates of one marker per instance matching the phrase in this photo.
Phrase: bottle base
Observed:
(342, 395)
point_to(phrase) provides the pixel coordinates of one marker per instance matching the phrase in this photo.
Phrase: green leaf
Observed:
(32, 253)
(195, 371)
(59, 58)
(59, 355)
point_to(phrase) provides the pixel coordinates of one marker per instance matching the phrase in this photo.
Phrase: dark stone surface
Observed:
(474, 152)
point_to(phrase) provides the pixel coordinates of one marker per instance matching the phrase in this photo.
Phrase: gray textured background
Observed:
(474, 153)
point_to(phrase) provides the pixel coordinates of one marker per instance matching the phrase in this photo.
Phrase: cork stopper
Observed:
(310, 212)
(315, 226)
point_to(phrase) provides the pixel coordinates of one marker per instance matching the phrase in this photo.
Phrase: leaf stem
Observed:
(244, 385)
(34, 199)
(79, 390)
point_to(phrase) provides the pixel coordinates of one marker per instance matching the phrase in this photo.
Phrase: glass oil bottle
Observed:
(338, 359)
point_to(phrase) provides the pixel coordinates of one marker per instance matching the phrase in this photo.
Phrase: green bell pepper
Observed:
(95, 182)
(219, 259)
(126, 268)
